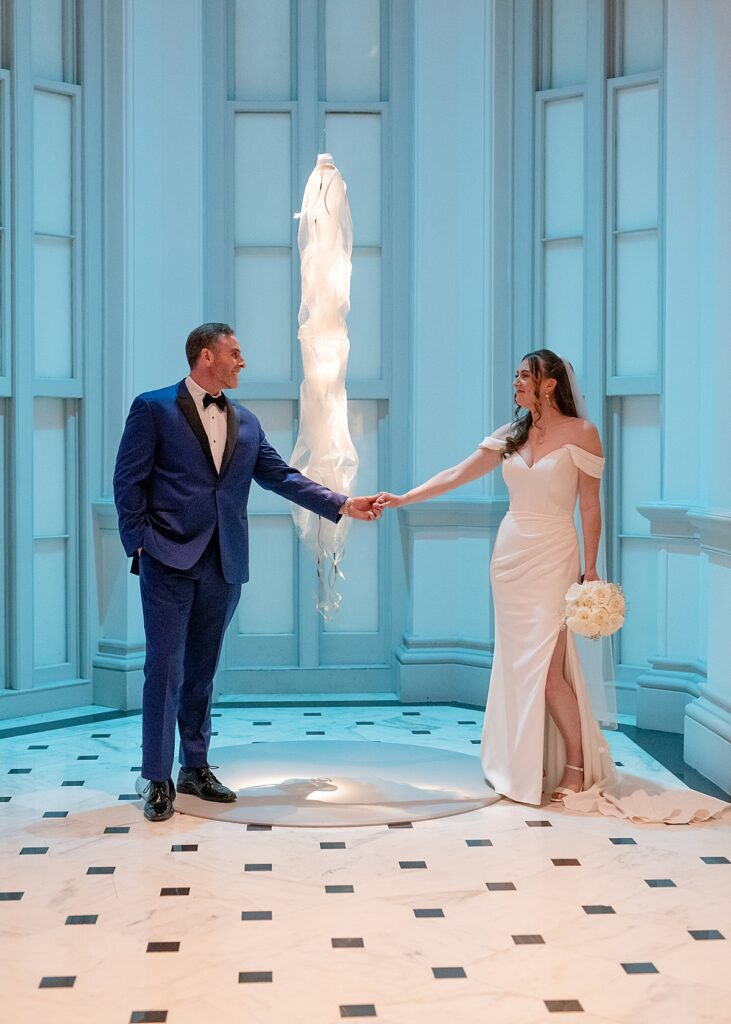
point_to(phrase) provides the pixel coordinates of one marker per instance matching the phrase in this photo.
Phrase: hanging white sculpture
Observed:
(324, 450)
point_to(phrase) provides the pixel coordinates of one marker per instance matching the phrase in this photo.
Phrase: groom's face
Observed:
(226, 361)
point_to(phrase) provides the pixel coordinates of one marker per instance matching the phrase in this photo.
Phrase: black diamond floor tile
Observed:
(705, 934)
(597, 908)
(661, 883)
(82, 919)
(401, 824)
(184, 848)
(58, 981)
(355, 943)
(428, 912)
(412, 865)
(539, 823)
(163, 947)
(257, 867)
(565, 862)
(148, 1017)
(33, 851)
(478, 842)
(256, 915)
(339, 888)
(100, 871)
(449, 972)
(175, 890)
(357, 1010)
(55, 814)
(716, 860)
(116, 830)
(500, 886)
(251, 827)
(623, 841)
(528, 940)
(332, 846)
(640, 968)
(73, 782)
(10, 897)
(563, 1006)
(254, 977)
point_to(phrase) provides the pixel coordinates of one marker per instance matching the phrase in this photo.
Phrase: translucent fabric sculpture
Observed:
(324, 450)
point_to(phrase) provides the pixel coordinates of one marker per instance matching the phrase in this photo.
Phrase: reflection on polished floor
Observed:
(503, 913)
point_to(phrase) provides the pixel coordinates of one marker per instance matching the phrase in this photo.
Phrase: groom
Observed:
(181, 485)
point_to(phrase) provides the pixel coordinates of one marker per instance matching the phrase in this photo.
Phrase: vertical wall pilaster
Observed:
(708, 720)
(153, 214)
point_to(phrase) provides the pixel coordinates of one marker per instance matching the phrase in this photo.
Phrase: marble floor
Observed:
(502, 914)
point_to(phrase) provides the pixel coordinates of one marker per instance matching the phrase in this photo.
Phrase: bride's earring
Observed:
(548, 397)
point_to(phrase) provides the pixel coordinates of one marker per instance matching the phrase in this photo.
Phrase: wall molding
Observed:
(485, 513)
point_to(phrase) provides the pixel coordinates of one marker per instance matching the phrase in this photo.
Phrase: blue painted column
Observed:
(153, 155)
(708, 720)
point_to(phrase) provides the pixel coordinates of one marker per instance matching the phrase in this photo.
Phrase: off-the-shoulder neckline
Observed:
(553, 452)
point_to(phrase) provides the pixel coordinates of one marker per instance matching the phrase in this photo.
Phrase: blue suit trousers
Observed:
(186, 613)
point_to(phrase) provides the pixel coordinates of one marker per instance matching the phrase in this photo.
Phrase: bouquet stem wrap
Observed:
(324, 450)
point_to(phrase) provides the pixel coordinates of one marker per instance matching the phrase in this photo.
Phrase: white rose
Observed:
(616, 602)
(577, 625)
(616, 621)
(599, 617)
(574, 592)
(582, 614)
(602, 594)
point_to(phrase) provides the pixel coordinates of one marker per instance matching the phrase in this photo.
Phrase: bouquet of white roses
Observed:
(594, 609)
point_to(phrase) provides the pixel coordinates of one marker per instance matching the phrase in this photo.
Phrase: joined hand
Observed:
(387, 500)
(365, 508)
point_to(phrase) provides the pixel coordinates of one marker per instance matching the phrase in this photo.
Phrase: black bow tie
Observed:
(219, 400)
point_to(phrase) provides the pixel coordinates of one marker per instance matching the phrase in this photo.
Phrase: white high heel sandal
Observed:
(563, 791)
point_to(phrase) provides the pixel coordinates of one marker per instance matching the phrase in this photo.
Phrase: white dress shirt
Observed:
(213, 420)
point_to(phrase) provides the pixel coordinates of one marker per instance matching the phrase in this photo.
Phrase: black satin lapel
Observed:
(187, 405)
(232, 430)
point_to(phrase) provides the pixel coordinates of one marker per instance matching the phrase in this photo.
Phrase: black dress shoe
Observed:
(201, 782)
(159, 798)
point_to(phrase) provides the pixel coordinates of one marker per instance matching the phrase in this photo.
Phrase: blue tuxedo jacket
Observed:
(169, 496)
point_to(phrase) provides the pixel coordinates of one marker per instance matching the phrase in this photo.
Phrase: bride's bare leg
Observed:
(564, 711)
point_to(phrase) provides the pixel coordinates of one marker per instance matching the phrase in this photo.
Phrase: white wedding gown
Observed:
(535, 561)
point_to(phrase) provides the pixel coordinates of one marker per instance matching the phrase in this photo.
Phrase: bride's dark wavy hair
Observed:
(543, 363)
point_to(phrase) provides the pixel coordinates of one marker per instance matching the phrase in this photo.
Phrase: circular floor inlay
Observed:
(331, 782)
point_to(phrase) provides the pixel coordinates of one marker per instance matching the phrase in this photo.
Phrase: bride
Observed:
(550, 455)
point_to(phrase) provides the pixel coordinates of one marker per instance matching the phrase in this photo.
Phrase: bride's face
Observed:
(524, 385)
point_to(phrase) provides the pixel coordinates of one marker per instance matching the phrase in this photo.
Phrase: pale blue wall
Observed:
(498, 195)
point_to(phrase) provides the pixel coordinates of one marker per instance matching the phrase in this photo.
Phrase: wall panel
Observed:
(262, 51)
(353, 50)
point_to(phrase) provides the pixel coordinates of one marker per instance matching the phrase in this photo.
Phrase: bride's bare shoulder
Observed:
(585, 435)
